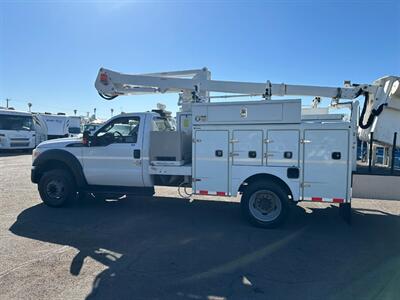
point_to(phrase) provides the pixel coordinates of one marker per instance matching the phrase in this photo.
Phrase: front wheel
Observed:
(265, 204)
(56, 188)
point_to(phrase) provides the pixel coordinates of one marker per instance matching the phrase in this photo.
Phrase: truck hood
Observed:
(59, 143)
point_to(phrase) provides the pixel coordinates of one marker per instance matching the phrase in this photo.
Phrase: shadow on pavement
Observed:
(169, 248)
(5, 153)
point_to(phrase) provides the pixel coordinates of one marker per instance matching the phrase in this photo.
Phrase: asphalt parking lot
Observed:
(170, 248)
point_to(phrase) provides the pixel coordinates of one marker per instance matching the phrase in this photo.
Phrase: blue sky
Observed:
(50, 51)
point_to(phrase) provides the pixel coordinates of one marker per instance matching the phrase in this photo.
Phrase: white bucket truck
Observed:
(265, 150)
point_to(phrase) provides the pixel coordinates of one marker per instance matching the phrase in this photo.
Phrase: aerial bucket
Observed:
(382, 117)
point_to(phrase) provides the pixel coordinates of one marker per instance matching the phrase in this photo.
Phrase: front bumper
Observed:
(34, 175)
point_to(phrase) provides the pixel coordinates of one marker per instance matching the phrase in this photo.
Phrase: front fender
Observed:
(56, 157)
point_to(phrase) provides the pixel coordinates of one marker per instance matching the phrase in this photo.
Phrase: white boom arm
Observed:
(195, 86)
(112, 84)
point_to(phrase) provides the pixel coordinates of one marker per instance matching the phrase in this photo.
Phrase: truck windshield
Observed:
(90, 127)
(10, 122)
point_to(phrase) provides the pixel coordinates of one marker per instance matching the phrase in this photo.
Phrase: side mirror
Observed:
(86, 138)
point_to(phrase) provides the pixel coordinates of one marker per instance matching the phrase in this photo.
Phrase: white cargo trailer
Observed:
(61, 125)
(74, 125)
(57, 125)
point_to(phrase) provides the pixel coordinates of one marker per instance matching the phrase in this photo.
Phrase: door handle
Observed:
(136, 153)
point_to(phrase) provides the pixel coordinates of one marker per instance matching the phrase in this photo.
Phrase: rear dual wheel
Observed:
(265, 204)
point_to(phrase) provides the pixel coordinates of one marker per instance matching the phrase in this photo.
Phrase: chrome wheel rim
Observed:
(265, 205)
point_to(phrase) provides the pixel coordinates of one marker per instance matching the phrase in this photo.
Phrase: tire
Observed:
(265, 204)
(57, 188)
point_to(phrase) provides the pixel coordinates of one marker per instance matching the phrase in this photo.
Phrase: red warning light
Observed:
(104, 78)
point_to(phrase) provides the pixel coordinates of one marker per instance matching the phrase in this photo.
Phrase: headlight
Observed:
(35, 153)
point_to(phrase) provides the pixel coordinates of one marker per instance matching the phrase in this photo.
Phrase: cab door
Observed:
(114, 158)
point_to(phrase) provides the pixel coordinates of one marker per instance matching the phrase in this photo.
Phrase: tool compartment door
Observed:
(211, 162)
(326, 163)
(283, 148)
(247, 147)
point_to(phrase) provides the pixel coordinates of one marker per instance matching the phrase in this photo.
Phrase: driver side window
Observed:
(121, 130)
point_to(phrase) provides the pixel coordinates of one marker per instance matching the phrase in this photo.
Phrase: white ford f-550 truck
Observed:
(269, 151)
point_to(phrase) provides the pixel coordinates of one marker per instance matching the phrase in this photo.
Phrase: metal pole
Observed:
(371, 141)
(393, 152)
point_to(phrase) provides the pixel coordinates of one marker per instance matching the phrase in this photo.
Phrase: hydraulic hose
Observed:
(374, 112)
(107, 97)
(188, 195)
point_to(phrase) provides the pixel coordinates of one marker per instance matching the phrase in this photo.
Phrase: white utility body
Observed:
(271, 151)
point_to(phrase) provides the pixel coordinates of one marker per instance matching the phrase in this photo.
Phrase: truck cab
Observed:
(115, 153)
(113, 160)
